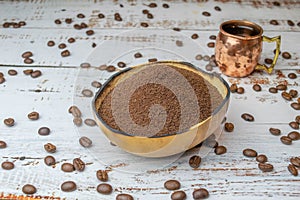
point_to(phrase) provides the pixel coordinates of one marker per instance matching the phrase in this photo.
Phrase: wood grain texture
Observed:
(228, 176)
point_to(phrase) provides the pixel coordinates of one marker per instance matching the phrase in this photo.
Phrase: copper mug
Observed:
(239, 46)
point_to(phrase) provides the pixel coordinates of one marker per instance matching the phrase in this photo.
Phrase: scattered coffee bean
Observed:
(172, 185)
(79, 165)
(67, 167)
(195, 36)
(90, 32)
(85, 141)
(104, 188)
(211, 45)
(102, 67)
(50, 43)
(195, 161)
(200, 193)
(275, 131)
(292, 169)
(281, 87)
(249, 153)
(49, 160)
(233, 87)
(286, 96)
(219, 150)
(229, 127)
(9, 122)
(29, 189)
(124, 197)
(27, 71)
(118, 17)
(57, 21)
(121, 64)
(74, 110)
(2, 144)
(261, 158)
(256, 87)
(240, 90)
(101, 16)
(152, 5)
(111, 68)
(209, 67)
(265, 167)
(7, 165)
(27, 54)
(294, 135)
(77, 121)
(22, 23)
(290, 23)
(12, 72)
(144, 24)
(206, 14)
(90, 122)
(297, 119)
(179, 43)
(293, 93)
(83, 25)
(212, 37)
(62, 46)
(273, 90)
(217, 8)
(87, 93)
(295, 161)
(94, 45)
(96, 84)
(149, 16)
(28, 60)
(68, 20)
(65, 53)
(44, 131)
(286, 140)
(80, 15)
(36, 74)
(77, 26)
(295, 105)
(33, 115)
(268, 61)
(71, 40)
(2, 79)
(294, 125)
(138, 55)
(50, 148)
(85, 65)
(176, 29)
(178, 195)
(292, 75)
(247, 117)
(68, 186)
(286, 55)
(152, 60)
(274, 22)
(198, 57)
(102, 175)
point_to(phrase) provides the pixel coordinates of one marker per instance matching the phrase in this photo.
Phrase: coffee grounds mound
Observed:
(152, 93)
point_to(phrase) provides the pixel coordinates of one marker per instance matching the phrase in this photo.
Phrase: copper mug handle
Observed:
(264, 67)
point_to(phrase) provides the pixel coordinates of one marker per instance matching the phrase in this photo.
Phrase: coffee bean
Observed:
(249, 153)
(85, 65)
(295, 161)
(179, 43)
(211, 45)
(83, 25)
(217, 8)
(276, 3)
(12, 72)
(206, 14)
(247, 117)
(67, 167)
(101, 16)
(198, 57)
(261, 158)
(178, 195)
(77, 26)
(290, 23)
(281, 87)
(9, 122)
(149, 16)
(233, 87)
(265, 167)
(94, 45)
(29, 189)
(275, 131)
(176, 29)
(71, 40)
(229, 127)
(286, 96)
(2, 144)
(286, 55)
(201, 193)
(297, 119)
(294, 125)
(80, 15)
(144, 24)
(256, 87)
(104, 188)
(102, 175)
(28, 60)
(268, 61)
(90, 122)
(292, 75)
(75, 111)
(286, 140)
(293, 93)
(33, 115)
(68, 186)
(118, 17)
(27, 71)
(219, 150)
(65, 53)
(79, 165)
(1, 74)
(85, 141)
(111, 68)
(50, 148)
(124, 197)
(27, 54)
(7, 165)
(57, 21)
(44, 131)
(274, 22)
(50, 43)
(87, 93)
(68, 20)
(77, 121)
(212, 37)
(273, 90)
(295, 105)
(172, 185)
(240, 90)
(152, 5)
(165, 5)
(195, 36)
(90, 32)
(2, 80)
(36, 74)
(195, 161)
(292, 169)
(62, 46)
(96, 84)
(121, 64)
(49, 160)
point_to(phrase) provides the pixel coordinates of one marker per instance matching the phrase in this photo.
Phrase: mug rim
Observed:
(242, 23)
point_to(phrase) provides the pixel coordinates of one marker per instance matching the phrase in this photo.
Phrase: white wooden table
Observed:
(227, 176)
